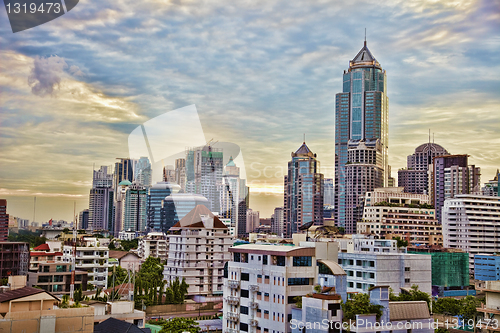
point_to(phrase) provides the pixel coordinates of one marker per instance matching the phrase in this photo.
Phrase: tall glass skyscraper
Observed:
(361, 114)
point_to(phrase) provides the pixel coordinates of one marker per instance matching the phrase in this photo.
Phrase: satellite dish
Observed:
(306, 226)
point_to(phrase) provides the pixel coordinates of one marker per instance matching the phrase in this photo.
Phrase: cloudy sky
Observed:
(261, 73)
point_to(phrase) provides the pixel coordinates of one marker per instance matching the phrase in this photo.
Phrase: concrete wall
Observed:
(66, 320)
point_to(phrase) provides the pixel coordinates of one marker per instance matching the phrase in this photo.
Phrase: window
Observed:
(258, 258)
(46, 269)
(372, 275)
(280, 260)
(302, 261)
(298, 281)
(259, 276)
(372, 263)
(244, 309)
(237, 257)
(358, 285)
(359, 274)
(244, 293)
(245, 277)
(243, 327)
(251, 257)
(407, 280)
(61, 268)
(407, 269)
(351, 284)
(359, 263)
(264, 260)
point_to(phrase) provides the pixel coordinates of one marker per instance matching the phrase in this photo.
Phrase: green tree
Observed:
(414, 295)
(400, 242)
(129, 244)
(447, 306)
(151, 270)
(469, 306)
(179, 325)
(119, 274)
(65, 231)
(360, 304)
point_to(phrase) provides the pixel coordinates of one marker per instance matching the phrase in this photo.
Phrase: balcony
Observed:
(230, 330)
(232, 300)
(254, 305)
(253, 322)
(233, 284)
(232, 316)
(253, 287)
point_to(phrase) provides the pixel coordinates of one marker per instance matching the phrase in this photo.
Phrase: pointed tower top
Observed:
(231, 162)
(364, 58)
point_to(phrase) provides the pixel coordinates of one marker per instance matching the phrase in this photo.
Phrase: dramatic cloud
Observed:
(45, 76)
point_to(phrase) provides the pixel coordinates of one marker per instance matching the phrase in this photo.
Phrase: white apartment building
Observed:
(154, 244)
(263, 281)
(92, 257)
(396, 270)
(472, 223)
(198, 249)
(362, 243)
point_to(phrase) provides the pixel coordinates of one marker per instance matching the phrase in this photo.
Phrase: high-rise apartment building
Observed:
(180, 173)
(451, 175)
(329, 192)
(492, 188)
(414, 178)
(101, 201)
(198, 249)
(278, 221)
(303, 200)
(135, 208)
(143, 172)
(253, 220)
(204, 166)
(361, 113)
(4, 221)
(123, 171)
(231, 194)
(83, 219)
(363, 173)
(169, 174)
(470, 223)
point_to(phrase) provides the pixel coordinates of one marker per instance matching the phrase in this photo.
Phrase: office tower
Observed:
(253, 221)
(135, 208)
(470, 223)
(450, 175)
(278, 221)
(180, 173)
(101, 201)
(202, 261)
(492, 188)
(414, 178)
(178, 205)
(123, 171)
(4, 221)
(169, 174)
(83, 219)
(142, 172)
(303, 200)
(231, 194)
(204, 173)
(363, 173)
(329, 192)
(156, 195)
(361, 112)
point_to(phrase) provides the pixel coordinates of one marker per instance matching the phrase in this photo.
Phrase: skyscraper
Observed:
(156, 212)
(204, 173)
(101, 201)
(361, 113)
(4, 221)
(414, 178)
(303, 191)
(143, 172)
(180, 173)
(123, 171)
(450, 175)
(135, 208)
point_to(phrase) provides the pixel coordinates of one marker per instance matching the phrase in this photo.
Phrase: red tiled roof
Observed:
(43, 247)
(193, 219)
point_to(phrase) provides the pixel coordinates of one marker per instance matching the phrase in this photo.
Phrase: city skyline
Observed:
(260, 75)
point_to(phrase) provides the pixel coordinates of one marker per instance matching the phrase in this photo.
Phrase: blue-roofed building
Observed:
(487, 267)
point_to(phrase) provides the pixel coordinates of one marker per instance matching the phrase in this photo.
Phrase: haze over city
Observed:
(261, 75)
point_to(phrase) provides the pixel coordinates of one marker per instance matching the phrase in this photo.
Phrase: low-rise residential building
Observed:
(126, 260)
(35, 310)
(198, 249)
(91, 258)
(263, 282)
(43, 255)
(470, 223)
(362, 243)
(14, 258)
(56, 277)
(154, 244)
(490, 309)
(396, 270)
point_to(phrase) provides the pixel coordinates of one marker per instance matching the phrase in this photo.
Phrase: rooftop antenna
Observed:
(365, 36)
(304, 137)
(432, 137)
(429, 135)
(34, 209)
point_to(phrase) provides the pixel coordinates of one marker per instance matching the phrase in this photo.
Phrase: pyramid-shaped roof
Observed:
(303, 149)
(231, 162)
(42, 247)
(200, 217)
(364, 58)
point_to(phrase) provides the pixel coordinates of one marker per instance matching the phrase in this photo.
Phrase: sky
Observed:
(261, 74)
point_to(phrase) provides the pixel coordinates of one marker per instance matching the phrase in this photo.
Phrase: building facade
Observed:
(14, 258)
(156, 211)
(178, 205)
(198, 250)
(56, 277)
(470, 223)
(414, 179)
(278, 221)
(303, 200)
(154, 244)
(361, 112)
(101, 201)
(230, 193)
(451, 175)
(4, 221)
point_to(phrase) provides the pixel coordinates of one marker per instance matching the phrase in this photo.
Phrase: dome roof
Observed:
(125, 182)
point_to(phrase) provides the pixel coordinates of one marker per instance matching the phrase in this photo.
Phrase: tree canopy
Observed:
(179, 325)
(360, 304)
